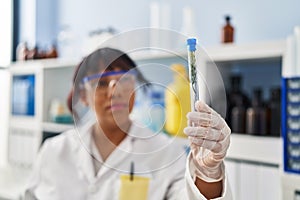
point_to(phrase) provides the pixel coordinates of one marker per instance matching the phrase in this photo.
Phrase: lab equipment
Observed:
(193, 71)
(156, 108)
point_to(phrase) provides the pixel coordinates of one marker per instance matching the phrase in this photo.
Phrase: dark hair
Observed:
(106, 59)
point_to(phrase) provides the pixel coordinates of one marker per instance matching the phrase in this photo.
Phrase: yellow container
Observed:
(177, 102)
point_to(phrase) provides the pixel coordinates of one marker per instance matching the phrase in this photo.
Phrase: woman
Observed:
(108, 153)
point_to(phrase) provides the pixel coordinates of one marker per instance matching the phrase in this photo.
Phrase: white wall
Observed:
(28, 21)
(254, 20)
(5, 32)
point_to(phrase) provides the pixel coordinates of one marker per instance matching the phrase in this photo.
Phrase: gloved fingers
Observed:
(202, 119)
(207, 133)
(205, 116)
(203, 107)
(219, 148)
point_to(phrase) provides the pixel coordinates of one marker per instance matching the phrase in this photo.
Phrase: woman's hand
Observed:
(209, 136)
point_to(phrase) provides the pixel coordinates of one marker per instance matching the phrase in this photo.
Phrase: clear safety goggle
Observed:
(101, 82)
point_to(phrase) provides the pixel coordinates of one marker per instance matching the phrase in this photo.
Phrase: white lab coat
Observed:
(65, 170)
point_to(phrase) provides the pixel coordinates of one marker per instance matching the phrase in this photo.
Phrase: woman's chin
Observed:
(117, 117)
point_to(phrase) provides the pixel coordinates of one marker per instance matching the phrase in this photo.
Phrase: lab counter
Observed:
(256, 149)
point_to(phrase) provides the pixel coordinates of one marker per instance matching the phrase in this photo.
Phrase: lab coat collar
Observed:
(85, 162)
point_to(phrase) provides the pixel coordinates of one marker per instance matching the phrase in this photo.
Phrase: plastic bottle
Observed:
(177, 102)
(227, 31)
(157, 111)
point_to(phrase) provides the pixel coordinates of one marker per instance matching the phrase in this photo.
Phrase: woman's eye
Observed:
(126, 79)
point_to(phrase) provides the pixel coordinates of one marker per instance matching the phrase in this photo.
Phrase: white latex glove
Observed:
(209, 136)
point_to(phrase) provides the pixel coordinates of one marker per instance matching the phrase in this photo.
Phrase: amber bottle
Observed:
(235, 96)
(257, 122)
(275, 109)
(52, 53)
(238, 117)
(227, 31)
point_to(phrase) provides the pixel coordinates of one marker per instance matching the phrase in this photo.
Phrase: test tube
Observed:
(191, 42)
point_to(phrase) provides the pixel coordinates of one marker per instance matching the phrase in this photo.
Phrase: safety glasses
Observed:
(103, 81)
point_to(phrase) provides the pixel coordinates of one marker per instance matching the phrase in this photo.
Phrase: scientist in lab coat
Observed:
(109, 156)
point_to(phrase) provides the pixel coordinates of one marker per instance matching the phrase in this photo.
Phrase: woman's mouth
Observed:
(117, 106)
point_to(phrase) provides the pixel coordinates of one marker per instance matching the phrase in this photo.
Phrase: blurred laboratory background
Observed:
(249, 60)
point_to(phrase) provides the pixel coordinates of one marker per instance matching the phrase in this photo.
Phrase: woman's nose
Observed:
(112, 84)
(112, 88)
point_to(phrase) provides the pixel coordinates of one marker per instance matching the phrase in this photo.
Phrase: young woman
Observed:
(93, 160)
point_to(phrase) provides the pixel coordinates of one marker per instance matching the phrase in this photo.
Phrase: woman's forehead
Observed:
(111, 69)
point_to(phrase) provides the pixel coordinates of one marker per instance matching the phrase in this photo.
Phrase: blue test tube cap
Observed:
(191, 42)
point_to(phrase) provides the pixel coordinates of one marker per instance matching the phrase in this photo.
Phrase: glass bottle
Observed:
(235, 96)
(257, 115)
(227, 31)
(33, 53)
(238, 117)
(52, 53)
(275, 109)
(22, 51)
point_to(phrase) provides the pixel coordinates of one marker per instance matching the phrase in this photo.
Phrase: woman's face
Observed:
(111, 95)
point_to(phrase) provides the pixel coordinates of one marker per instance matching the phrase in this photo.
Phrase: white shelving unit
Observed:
(52, 80)
(253, 51)
(253, 162)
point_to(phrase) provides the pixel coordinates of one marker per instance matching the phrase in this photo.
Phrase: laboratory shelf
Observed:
(258, 149)
(251, 51)
(45, 63)
(56, 127)
(158, 54)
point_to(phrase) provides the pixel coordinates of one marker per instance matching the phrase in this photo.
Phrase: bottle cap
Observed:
(227, 17)
(191, 42)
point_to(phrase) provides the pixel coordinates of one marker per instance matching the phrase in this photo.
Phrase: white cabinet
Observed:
(253, 162)
(253, 166)
(233, 175)
(259, 65)
(38, 82)
(259, 182)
